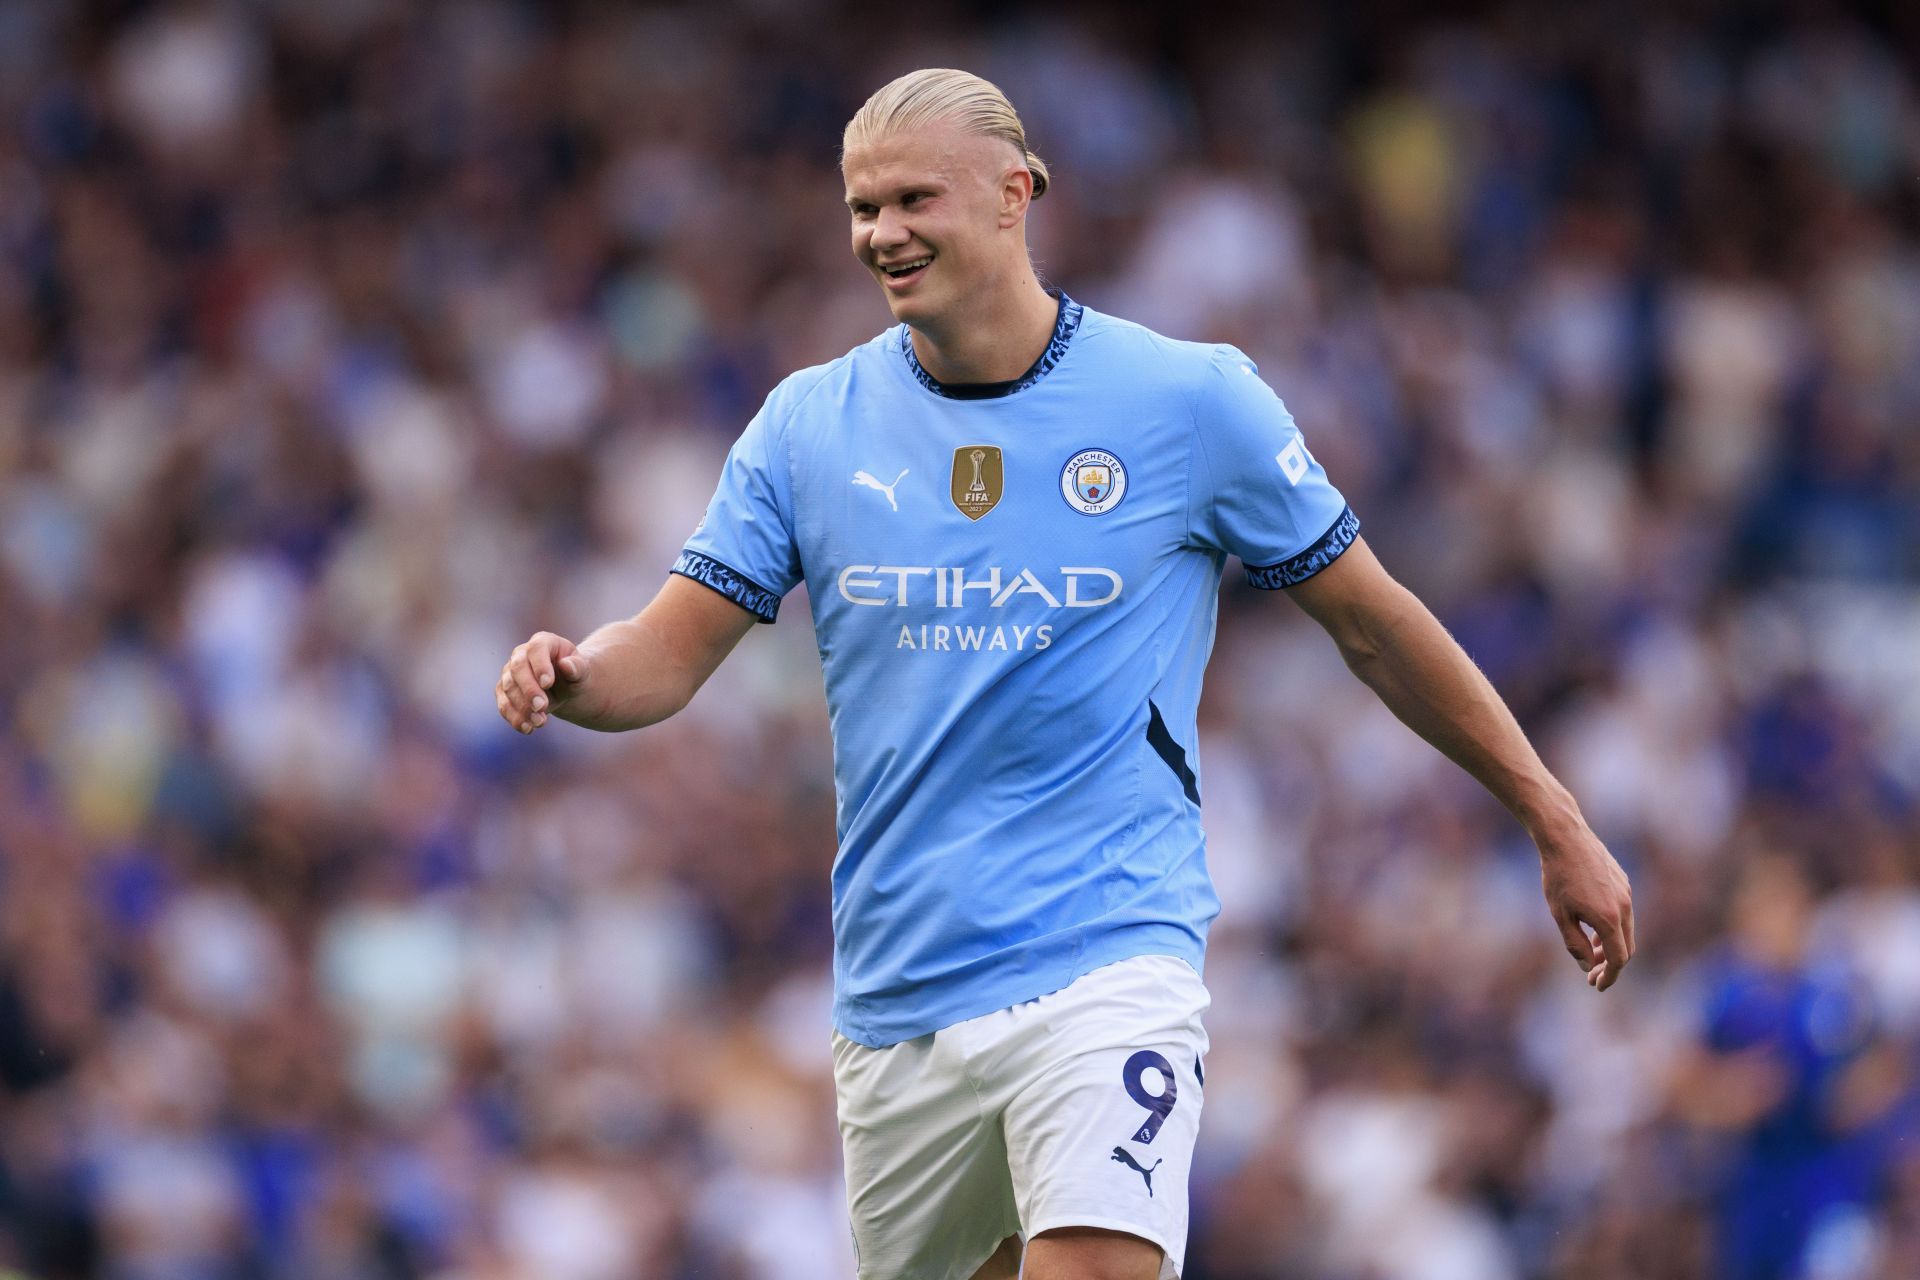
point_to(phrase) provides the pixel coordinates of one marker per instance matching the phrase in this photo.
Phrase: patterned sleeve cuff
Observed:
(729, 582)
(1324, 551)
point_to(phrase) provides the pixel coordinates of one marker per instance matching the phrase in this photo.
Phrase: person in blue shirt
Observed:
(1792, 1074)
(1012, 514)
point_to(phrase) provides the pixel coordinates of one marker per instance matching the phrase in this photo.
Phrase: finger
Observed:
(510, 695)
(573, 667)
(507, 693)
(526, 690)
(540, 662)
(1613, 942)
(1626, 925)
(518, 717)
(1579, 946)
(1609, 952)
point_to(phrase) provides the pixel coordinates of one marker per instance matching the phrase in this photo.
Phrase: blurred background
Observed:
(344, 344)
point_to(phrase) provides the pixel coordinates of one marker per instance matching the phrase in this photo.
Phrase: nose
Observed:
(890, 229)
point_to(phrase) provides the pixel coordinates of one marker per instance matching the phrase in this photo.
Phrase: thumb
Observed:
(572, 668)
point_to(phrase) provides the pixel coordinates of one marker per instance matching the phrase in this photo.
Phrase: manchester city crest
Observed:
(1093, 482)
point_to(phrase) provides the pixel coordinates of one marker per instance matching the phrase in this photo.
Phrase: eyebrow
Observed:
(934, 186)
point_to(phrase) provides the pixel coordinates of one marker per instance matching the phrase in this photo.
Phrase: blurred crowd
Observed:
(344, 344)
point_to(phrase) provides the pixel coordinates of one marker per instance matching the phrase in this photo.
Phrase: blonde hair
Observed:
(942, 93)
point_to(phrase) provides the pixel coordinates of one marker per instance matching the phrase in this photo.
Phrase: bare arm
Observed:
(1400, 650)
(627, 674)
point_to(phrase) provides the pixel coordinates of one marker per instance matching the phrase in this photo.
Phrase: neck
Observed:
(994, 339)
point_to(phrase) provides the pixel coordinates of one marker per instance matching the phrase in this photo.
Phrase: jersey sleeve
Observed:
(1256, 491)
(744, 546)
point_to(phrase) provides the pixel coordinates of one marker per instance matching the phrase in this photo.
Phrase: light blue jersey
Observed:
(1014, 590)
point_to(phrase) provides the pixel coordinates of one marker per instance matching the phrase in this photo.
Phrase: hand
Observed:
(541, 677)
(1585, 886)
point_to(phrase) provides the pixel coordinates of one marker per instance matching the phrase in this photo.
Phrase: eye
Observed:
(912, 198)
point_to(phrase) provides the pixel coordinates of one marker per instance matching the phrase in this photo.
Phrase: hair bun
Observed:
(1038, 168)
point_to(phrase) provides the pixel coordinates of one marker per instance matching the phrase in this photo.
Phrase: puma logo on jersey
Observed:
(1124, 1157)
(865, 478)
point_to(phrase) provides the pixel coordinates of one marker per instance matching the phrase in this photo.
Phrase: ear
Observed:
(1016, 193)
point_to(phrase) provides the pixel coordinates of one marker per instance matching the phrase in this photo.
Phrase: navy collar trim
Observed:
(1063, 331)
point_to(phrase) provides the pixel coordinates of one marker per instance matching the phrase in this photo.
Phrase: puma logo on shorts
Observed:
(1120, 1154)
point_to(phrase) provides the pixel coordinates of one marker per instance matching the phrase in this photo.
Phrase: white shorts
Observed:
(1078, 1109)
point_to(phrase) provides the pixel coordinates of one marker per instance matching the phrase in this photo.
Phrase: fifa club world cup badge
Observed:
(1093, 482)
(979, 478)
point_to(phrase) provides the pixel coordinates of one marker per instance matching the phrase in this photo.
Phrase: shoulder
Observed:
(1194, 368)
(816, 384)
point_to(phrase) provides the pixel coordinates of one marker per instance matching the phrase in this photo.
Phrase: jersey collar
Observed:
(1063, 331)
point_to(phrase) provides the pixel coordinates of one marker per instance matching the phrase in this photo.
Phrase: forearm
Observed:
(1404, 655)
(1426, 679)
(635, 681)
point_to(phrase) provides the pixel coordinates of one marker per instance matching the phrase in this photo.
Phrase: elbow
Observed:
(621, 710)
(675, 700)
(1374, 635)
(1365, 666)
(660, 703)
(1360, 652)
(670, 697)
(1361, 645)
(640, 678)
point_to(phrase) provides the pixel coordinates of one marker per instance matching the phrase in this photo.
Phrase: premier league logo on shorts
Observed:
(1093, 482)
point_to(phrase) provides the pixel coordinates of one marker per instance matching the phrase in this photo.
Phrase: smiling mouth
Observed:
(906, 271)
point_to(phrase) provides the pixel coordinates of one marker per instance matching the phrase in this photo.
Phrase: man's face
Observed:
(932, 211)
